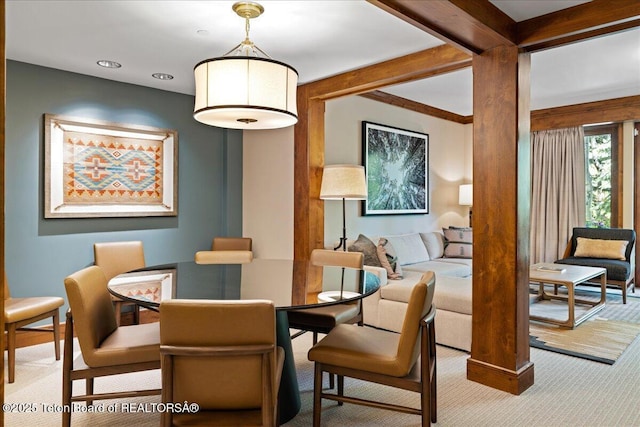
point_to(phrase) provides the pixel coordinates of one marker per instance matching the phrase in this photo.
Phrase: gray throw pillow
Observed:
(368, 248)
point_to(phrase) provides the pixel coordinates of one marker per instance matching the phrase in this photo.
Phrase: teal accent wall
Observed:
(40, 252)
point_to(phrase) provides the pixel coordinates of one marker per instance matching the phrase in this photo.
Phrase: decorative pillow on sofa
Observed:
(458, 242)
(409, 248)
(458, 234)
(600, 248)
(389, 262)
(368, 248)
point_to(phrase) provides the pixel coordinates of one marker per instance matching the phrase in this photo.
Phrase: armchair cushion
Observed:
(600, 248)
(616, 269)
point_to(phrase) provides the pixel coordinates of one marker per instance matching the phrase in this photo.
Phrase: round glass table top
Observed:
(270, 279)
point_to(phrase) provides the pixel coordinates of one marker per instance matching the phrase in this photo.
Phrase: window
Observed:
(602, 180)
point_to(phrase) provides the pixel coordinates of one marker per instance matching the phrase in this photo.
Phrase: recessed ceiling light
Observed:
(108, 64)
(162, 76)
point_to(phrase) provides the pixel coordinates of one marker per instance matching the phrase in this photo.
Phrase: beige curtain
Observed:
(558, 190)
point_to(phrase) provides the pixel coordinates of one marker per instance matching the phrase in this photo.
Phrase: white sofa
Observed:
(386, 308)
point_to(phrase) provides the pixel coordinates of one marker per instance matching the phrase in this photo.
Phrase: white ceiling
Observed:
(318, 38)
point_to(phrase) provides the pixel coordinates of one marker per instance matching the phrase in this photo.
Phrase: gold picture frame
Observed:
(95, 168)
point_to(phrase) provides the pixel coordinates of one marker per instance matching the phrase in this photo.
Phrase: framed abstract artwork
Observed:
(396, 163)
(100, 169)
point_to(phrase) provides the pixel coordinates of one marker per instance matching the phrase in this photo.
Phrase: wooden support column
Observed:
(501, 178)
(308, 229)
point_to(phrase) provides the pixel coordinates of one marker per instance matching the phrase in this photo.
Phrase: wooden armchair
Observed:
(384, 357)
(229, 365)
(609, 248)
(116, 258)
(20, 312)
(107, 349)
(231, 244)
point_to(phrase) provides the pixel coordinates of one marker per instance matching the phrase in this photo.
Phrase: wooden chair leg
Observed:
(56, 333)
(136, 314)
(67, 366)
(89, 389)
(11, 350)
(317, 390)
(340, 388)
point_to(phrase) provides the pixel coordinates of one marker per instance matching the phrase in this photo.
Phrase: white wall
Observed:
(267, 195)
(450, 163)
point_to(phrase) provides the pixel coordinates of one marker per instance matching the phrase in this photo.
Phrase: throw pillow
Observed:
(600, 248)
(458, 234)
(458, 242)
(368, 248)
(409, 248)
(388, 262)
(458, 250)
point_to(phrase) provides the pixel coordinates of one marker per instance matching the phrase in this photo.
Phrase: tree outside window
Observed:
(601, 150)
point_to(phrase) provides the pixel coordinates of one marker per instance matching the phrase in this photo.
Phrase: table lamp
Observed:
(465, 198)
(343, 182)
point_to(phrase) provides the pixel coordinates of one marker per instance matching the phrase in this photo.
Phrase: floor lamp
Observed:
(343, 182)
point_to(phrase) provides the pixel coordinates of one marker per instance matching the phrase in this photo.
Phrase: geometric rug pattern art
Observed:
(107, 169)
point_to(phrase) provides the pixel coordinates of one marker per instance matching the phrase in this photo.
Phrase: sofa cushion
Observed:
(434, 242)
(453, 294)
(600, 248)
(368, 248)
(400, 290)
(616, 269)
(409, 248)
(441, 267)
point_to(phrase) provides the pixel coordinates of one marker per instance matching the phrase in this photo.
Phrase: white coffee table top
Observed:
(549, 273)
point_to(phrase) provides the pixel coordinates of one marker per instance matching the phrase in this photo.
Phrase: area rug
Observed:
(597, 339)
(602, 338)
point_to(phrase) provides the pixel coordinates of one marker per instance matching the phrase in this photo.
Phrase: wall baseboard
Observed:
(29, 338)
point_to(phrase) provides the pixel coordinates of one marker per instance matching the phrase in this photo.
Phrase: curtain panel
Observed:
(558, 190)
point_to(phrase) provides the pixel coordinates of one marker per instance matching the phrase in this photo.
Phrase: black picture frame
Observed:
(396, 163)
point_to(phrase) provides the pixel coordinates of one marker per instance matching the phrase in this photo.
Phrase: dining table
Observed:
(271, 279)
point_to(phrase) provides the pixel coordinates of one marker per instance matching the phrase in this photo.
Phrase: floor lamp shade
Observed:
(343, 182)
(245, 93)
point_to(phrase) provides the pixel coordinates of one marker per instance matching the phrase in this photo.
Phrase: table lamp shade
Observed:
(465, 195)
(343, 182)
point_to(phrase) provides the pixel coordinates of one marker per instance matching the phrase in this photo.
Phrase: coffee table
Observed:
(567, 276)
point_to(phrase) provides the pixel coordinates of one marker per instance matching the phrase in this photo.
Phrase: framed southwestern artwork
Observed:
(101, 169)
(396, 162)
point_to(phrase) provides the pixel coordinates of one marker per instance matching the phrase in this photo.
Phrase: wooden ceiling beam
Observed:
(415, 66)
(418, 107)
(470, 25)
(598, 17)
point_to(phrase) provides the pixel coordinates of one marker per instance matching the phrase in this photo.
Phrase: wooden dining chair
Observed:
(229, 365)
(116, 258)
(383, 357)
(323, 319)
(106, 348)
(231, 244)
(223, 257)
(20, 312)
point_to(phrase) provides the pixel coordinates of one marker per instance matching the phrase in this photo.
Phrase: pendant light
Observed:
(245, 88)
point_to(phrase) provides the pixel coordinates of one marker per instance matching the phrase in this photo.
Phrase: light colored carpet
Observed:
(567, 392)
